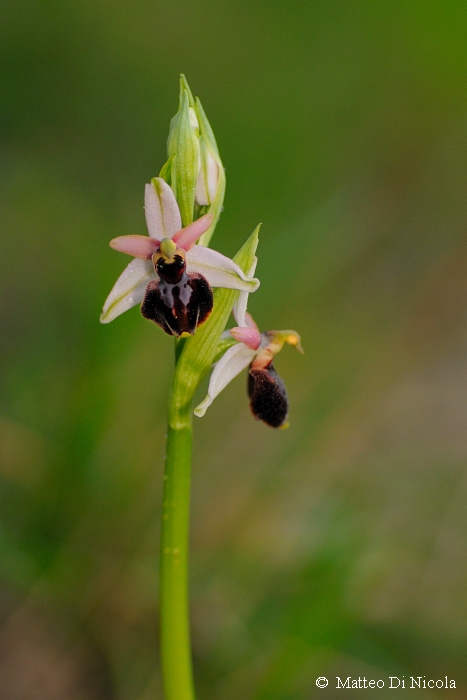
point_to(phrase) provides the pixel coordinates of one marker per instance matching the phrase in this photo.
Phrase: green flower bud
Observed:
(182, 168)
(194, 169)
(210, 189)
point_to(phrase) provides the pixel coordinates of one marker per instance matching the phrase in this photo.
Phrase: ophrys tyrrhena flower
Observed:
(170, 275)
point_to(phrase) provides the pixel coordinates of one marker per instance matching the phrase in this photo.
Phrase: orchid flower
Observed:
(170, 275)
(268, 396)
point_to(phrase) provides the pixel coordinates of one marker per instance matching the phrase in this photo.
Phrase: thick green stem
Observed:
(174, 611)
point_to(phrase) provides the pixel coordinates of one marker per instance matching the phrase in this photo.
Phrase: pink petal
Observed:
(249, 336)
(139, 246)
(187, 237)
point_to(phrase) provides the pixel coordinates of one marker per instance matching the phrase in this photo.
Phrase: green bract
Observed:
(200, 351)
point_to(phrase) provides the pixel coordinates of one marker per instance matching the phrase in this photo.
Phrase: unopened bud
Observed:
(193, 119)
(182, 169)
(206, 186)
(194, 169)
(210, 186)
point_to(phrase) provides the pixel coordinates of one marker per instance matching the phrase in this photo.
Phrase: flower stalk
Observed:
(174, 611)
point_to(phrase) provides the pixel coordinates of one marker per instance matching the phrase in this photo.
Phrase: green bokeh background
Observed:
(337, 547)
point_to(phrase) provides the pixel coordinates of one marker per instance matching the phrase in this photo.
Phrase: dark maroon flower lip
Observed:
(268, 396)
(178, 307)
(178, 302)
(171, 271)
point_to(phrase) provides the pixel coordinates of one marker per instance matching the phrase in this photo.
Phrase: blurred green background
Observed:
(337, 547)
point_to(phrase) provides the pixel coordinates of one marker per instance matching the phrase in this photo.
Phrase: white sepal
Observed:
(219, 270)
(128, 290)
(161, 210)
(239, 307)
(234, 360)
